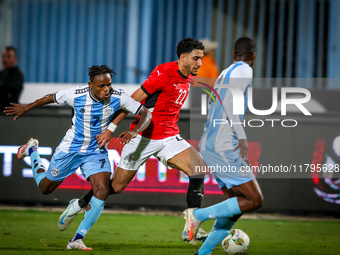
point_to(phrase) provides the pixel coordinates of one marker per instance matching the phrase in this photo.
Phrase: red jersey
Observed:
(167, 89)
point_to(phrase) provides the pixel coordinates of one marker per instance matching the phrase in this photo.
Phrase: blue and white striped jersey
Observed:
(91, 117)
(219, 134)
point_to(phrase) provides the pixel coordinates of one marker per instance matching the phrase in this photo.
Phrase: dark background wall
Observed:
(310, 142)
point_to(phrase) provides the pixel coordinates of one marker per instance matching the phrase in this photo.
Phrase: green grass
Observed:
(36, 232)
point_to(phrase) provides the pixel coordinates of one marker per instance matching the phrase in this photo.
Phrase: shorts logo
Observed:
(127, 159)
(55, 172)
(108, 111)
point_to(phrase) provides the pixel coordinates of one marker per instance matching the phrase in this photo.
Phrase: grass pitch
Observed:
(36, 232)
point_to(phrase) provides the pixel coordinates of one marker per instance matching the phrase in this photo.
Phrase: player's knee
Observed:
(119, 188)
(257, 202)
(101, 192)
(46, 190)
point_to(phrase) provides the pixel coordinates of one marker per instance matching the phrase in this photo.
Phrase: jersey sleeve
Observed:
(65, 96)
(129, 104)
(154, 82)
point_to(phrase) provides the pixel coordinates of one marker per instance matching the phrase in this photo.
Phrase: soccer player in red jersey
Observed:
(163, 93)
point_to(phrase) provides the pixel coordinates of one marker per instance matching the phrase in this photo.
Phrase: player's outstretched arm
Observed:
(105, 137)
(144, 121)
(19, 110)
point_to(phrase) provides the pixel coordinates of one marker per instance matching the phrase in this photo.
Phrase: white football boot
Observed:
(68, 215)
(192, 225)
(77, 245)
(23, 150)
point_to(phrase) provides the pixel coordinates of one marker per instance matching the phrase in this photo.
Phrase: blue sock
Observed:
(91, 216)
(37, 164)
(219, 231)
(227, 208)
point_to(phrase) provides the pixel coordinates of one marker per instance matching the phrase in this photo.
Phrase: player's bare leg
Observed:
(249, 197)
(47, 186)
(190, 162)
(99, 183)
(101, 189)
(121, 178)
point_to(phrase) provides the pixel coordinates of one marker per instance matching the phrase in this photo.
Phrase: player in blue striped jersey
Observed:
(83, 145)
(224, 147)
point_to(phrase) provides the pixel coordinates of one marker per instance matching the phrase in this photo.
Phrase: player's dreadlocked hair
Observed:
(244, 48)
(96, 70)
(187, 45)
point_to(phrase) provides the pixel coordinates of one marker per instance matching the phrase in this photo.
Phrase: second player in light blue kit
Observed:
(224, 147)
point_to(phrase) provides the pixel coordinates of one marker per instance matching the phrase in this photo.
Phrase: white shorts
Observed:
(139, 149)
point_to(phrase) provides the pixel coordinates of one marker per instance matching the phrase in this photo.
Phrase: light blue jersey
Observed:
(91, 117)
(221, 135)
(79, 147)
(223, 129)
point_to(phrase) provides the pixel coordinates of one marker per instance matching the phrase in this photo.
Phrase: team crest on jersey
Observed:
(127, 159)
(108, 111)
(55, 172)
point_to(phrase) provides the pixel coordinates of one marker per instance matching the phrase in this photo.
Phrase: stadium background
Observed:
(297, 41)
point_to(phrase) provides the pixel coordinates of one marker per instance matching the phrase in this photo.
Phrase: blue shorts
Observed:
(64, 164)
(228, 168)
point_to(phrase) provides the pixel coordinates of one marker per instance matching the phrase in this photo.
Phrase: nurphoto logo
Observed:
(238, 102)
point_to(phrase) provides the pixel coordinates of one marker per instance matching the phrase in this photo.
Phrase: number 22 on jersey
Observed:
(181, 97)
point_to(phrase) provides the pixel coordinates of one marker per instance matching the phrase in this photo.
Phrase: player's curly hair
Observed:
(187, 45)
(96, 70)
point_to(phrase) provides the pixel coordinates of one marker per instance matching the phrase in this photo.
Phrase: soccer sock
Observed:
(84, 200)
(112, 191)
(227, 208)
(37, 164)
(91, 216)
(219, 231)
(195, 191)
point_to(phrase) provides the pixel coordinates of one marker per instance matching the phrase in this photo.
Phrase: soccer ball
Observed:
(237, 242)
